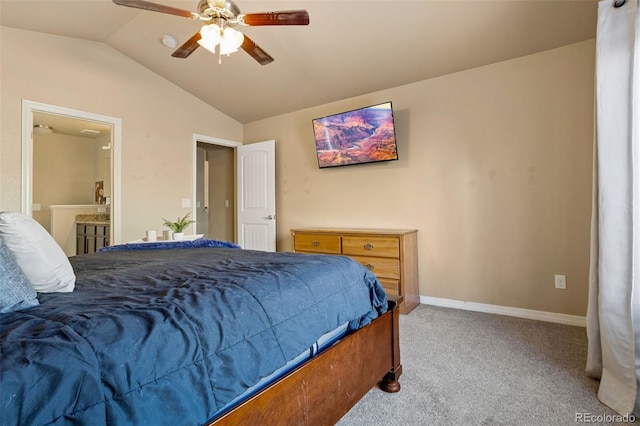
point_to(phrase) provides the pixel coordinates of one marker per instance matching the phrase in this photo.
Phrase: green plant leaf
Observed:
(179, 225)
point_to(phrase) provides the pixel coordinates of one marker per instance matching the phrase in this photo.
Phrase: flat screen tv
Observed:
(363, 135)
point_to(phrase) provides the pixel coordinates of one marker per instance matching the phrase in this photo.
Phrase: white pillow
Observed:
(39, 256)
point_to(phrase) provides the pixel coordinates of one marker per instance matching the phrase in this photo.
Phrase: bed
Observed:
(200, 335)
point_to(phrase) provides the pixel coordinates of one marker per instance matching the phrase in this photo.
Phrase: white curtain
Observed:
(613, 316)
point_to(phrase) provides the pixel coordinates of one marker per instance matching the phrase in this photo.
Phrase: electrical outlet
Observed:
(561, 282)
(186, 202)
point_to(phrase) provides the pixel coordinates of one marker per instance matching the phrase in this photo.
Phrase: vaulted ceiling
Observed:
(350, 47)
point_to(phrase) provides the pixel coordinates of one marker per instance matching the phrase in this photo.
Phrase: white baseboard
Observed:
(505, 310)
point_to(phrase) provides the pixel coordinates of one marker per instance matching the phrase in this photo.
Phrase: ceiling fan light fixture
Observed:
(230, 41)
(210, 37)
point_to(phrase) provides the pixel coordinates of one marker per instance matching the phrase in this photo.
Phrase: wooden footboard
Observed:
(324, 388)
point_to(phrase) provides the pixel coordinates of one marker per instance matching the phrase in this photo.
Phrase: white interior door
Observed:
(256, 200)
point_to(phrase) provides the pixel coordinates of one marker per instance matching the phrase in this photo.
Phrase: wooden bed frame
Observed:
(323, 389)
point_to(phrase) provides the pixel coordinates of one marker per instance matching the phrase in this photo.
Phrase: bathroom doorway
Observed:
(79, 152)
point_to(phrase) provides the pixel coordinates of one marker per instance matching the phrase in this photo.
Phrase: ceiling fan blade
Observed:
(256, 51)
(284, 17)
(154, 7)
(188, 47)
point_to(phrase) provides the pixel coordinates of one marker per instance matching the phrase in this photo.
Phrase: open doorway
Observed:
(88, 173)
(254, 192)
(215, 191)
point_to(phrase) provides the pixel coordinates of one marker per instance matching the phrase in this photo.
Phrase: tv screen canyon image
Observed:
(364, 135)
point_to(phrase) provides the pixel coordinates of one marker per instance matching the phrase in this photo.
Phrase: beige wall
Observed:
(158, 119)
(494, 169)
(64, 170)
(494, 172)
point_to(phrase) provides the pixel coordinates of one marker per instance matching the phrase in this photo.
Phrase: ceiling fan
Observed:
(221, 16)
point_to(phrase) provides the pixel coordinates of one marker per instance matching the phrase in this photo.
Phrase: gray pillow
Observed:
(16, 292)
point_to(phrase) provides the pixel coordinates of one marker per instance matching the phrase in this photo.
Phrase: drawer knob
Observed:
(315, 243)
(369, 266)
(368, 246)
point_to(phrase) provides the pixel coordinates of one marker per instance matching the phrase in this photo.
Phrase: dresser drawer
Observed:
(371, 246)
(382, 267)
(391, 287)
(317, 243)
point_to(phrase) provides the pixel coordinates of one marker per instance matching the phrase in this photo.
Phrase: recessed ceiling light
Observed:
(90, 132)
(42, 129)
(169, 41)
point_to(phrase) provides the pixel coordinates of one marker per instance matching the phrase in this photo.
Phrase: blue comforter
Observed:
(171, 336)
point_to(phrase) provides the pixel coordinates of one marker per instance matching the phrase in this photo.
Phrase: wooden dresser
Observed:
(391, 254)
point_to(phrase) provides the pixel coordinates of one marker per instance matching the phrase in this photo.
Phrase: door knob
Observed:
(270, 217)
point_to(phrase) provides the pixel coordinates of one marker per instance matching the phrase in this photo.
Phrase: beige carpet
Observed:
(470, 368)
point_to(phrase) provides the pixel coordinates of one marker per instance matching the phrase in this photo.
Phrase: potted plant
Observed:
(178, 226)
